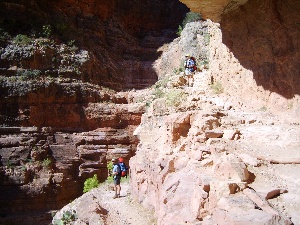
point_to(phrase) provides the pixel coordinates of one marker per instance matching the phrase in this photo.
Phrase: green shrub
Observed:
(46, 162)
(47, 30)
(263, 109)
(110, 166)
(179, 30)
(189, 17)
(4, 36)
(22, 39)
(178, 70)
(217, 87)
(28, 74)
(67, 218)
(90, 183)
(175, 97)
(206, 38)
(158, 93)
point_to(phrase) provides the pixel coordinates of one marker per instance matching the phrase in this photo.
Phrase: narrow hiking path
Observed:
(123, 210)
(97, 207)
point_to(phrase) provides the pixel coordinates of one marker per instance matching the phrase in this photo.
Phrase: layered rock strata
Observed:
(55, 134)
(255, 50)
(122, 38)
(205, 164)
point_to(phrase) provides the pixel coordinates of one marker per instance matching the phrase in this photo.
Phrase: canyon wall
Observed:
(210, 160)
(122, 38)
(256, 51)
(54, 135)
(61, 120)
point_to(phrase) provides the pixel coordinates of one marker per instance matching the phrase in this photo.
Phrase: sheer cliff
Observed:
(83, 82)
(260, 44)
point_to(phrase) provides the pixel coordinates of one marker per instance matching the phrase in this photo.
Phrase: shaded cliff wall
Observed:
(116, 33)
(59, 129)
(257, 59)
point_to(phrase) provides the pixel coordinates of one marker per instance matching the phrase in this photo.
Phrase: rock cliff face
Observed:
(199, 157)
(258, 53)
(59, 125)
(213, 9)
(211, 163)
(122, 38)
(54, 136)
(208, 161)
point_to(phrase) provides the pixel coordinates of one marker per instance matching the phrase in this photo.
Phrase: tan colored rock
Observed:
(206, 162)
(270, 193)
(220, 189)
(261, 203)
(213, 133)
(230, 167)
(249, 160)
(213, 9)
(241, 216)
(231, 134)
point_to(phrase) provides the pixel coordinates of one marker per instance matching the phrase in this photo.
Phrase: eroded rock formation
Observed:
(214, 9)
(121, 37)
(193, 162)
(211, 163)
(256, 51)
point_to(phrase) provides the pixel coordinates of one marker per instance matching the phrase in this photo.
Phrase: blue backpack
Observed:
(124, 169)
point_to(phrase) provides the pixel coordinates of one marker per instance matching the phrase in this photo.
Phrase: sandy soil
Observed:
(123, 210)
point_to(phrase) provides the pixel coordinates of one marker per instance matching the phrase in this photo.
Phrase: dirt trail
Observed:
(123, 210)
(97, 207)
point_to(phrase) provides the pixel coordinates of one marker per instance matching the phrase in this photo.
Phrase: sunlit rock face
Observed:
(58, 130)
(213, 9)
(254, 49)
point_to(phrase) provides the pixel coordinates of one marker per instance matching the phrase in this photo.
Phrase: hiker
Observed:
(190, 67)
(116, 172)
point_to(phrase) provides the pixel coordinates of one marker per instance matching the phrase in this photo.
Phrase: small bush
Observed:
(206, 38)
(263, 109)
(175, 97)
(90, 183)
(28, 74)
(158, 93)
(110, 166)
(46, 162)
(47, 30)
(217, 87)
(22, 39)
(178, 70)
(189, 17)
(179, 30)
(4, 36)
(67, 218)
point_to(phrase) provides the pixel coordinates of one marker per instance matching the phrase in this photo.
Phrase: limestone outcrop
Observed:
(197, 156)
(255, 50)
(122, 38)
(213, 9)
(54, 135)
(204, 165)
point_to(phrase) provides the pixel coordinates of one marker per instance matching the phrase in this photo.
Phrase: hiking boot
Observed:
(115, 196)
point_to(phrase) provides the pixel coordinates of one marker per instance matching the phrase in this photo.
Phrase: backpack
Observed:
(124, 169)
(195, 65)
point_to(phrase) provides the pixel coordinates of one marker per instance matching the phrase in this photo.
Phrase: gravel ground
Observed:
(123, 210)
(97, 207)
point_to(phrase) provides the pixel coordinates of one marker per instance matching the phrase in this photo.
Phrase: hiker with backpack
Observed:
(116, 173)
(190, 68)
